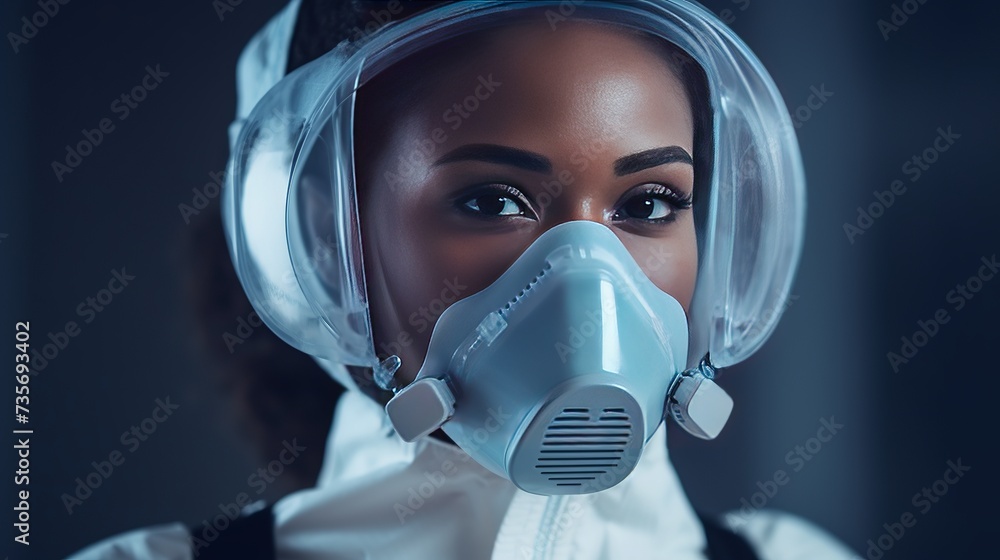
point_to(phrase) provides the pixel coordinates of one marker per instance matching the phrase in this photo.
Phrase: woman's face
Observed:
(536, 128)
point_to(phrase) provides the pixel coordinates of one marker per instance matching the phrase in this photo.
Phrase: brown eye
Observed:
(493, 205)
(645, 207)
(495, 201)
(653, 204)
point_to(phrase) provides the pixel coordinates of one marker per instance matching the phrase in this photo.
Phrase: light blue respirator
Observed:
(557, 374)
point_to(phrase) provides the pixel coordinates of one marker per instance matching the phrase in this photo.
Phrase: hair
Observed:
(321, 25)
(275, 392)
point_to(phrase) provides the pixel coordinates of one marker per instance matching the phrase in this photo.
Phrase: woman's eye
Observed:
(658, 204)
(496, 201)
(493, 205)
(647, 207)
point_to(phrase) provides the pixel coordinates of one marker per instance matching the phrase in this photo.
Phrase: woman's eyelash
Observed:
(491, 188)
(680, 200)
(514, 193)
(495, 189)
(675, 201)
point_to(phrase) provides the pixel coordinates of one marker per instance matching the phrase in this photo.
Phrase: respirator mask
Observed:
(557, 374)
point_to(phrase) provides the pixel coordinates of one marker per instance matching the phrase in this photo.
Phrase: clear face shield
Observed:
(513, 385)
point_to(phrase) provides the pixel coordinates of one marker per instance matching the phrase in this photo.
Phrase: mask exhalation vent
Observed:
(583, 443)
(588, 438)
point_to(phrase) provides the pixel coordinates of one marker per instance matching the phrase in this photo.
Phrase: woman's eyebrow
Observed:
(495, 153)
(651, 158)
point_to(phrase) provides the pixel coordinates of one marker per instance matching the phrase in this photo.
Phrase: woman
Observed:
(520, 234)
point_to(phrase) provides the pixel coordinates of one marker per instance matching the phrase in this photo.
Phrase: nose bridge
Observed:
(581, 195)
(577, 202)
(571, 197)
(582, 210)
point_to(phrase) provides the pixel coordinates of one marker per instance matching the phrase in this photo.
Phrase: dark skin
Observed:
(597, 128)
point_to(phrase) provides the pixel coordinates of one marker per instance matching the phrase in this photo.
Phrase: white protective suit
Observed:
(379, 497)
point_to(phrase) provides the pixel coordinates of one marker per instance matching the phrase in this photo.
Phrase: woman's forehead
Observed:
(530, 86)
(536, 57)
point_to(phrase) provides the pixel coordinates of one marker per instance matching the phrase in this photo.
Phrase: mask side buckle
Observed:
(420, 408)
(697, 403)
(384, 374)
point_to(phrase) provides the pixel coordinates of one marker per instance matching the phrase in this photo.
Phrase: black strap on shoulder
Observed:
(723, 544)
(249, 537)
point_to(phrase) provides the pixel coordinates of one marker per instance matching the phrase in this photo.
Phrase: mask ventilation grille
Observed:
(510, 305)
(581, 444)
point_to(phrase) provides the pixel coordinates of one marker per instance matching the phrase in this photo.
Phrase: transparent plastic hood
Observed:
(290, 200)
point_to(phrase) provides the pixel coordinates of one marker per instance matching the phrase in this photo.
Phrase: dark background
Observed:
(827, 358)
